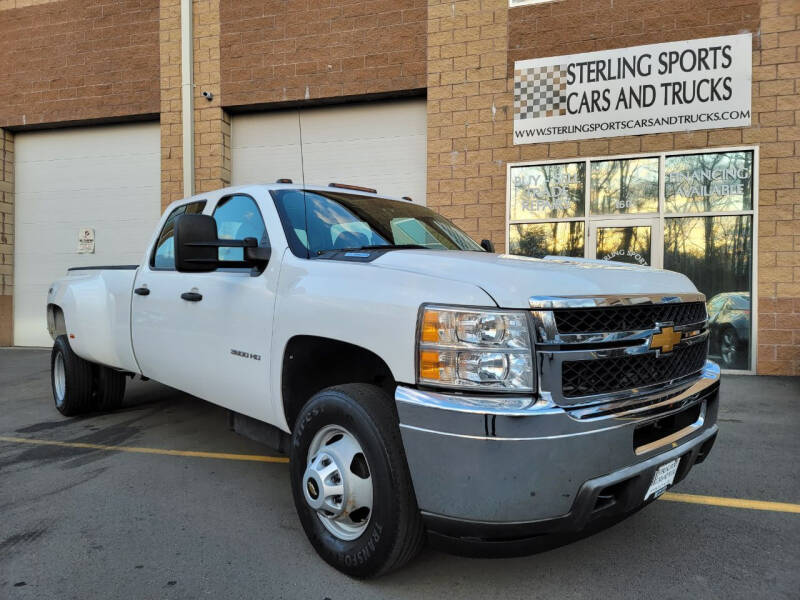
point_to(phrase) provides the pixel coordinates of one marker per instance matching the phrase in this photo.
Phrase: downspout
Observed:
(187, 96)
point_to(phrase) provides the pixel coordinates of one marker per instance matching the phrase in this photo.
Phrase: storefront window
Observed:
(624, 186)
(716, 254)
(692, 213)
(720, 181)
(548, 191)
(543, 239)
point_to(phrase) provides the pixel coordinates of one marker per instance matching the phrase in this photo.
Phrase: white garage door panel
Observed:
(380, 144)
(266, 147)
(106, 178)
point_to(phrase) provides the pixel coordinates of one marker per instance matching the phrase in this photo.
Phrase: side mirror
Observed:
(197, 247)
(488, 245)
(196, 243)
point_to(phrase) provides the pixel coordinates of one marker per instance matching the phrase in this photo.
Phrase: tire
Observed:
(356, 543)
(730, 348)
(109, 388)
(70, 379)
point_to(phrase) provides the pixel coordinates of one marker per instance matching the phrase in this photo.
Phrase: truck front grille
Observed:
(604, 375)
(600, 353)
(627, 318)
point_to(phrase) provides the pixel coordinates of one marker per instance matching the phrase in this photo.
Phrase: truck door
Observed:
(217, 346)
(157, 325)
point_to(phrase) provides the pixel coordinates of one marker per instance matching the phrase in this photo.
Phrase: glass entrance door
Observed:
(633, 241)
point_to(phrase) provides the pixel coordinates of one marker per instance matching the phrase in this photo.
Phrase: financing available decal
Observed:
(676, 86)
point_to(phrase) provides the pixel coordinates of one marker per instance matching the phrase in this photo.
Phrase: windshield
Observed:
(316, 222)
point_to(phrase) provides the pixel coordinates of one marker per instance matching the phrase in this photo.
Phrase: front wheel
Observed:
(351, 484)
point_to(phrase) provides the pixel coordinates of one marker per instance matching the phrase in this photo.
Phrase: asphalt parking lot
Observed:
(94, 522)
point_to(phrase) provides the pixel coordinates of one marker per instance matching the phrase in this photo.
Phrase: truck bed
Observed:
(96, 303)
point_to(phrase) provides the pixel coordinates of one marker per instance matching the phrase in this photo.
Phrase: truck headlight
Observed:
(476, 349)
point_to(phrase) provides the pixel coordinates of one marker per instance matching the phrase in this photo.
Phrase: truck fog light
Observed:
(482, 367)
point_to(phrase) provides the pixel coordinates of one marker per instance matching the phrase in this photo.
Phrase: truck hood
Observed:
(511, 280)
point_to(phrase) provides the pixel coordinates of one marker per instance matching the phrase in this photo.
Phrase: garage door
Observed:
(376, 144)
(104, 178)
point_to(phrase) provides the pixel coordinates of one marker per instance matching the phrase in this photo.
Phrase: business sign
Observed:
(676, 86)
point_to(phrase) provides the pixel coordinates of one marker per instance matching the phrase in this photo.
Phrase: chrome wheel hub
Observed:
(337, 483)
(59, 378)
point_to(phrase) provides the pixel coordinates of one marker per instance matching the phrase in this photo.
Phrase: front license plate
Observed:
(663, 478)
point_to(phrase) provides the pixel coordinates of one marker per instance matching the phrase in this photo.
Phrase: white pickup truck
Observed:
(422, 385)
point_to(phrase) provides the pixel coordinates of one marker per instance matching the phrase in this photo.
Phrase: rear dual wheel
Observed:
(351, 484)
(80, 386)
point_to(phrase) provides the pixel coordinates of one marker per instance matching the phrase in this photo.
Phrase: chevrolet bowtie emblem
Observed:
(665, 340)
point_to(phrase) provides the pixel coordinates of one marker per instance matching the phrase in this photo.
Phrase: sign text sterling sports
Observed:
(676, 86)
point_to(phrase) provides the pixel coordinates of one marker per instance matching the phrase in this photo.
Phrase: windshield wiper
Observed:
(375, 247)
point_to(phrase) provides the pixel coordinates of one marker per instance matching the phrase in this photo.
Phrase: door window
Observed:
(164, 252)
(238, 217)
(627, 244)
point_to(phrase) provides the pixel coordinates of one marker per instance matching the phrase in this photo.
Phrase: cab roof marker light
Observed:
(284, 180)
(358, 188)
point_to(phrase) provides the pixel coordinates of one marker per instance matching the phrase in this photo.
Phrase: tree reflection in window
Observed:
(543, 239)
(624, 186)
(716, 254)
(629, 244)
(721, 181)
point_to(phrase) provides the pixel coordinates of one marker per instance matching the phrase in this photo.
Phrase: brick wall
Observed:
(212, 127)
(776, 87)
(301, 49)
(7, 4)
(169, 36)
(470, 121)
(6, 236)
(469, 114)
(212, 130)
(77, 59)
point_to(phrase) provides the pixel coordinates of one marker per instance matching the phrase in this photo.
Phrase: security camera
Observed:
(208, 96)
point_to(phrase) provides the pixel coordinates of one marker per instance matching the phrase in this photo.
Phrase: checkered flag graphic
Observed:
(540, 92)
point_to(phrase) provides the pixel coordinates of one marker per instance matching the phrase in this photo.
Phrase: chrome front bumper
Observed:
(541, 468)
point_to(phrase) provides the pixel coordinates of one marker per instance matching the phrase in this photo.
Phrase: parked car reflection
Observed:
(729, 327)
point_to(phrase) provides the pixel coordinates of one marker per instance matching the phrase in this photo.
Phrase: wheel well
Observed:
(312, 363)
(56, 324)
